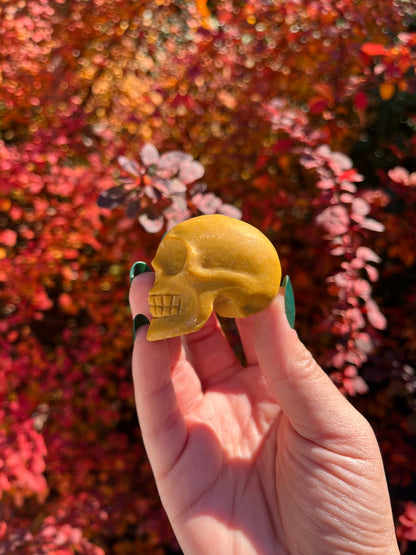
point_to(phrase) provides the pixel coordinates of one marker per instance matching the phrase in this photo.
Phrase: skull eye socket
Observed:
(170, 257)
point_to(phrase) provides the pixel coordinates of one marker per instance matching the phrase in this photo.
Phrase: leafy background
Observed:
(119, 118)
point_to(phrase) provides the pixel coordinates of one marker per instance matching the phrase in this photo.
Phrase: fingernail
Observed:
(139, 320)
(289, 301)
(138, 268)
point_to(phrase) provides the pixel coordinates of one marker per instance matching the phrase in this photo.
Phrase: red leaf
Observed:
(8, 237)
(373, 49)
(351, 175)
(283, 145)
(317, 105)
(360, 101)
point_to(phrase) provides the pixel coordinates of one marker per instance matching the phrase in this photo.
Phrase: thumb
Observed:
(313, 404)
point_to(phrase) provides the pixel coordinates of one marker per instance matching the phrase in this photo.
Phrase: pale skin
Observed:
(268, 458)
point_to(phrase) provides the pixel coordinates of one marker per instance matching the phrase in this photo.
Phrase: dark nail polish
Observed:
(139, 320)
(138, 268)
(289, 301)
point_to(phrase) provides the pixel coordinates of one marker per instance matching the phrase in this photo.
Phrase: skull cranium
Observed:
(210, 263)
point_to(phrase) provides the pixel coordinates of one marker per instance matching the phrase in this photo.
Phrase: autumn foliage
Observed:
(118, 119)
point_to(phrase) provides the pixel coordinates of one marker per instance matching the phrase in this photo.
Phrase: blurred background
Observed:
(120, 118)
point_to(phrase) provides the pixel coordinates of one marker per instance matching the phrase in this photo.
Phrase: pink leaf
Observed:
(371, 272)
(360, 206)
(162, 185)
(230, 210)
(176, 186)
(346, 198)
(151, 192)
(177, 212)
(309, 162)
(151, 225)
(325, 184)
(367, 254)
(375, 317)
(362, 288)
(347, 186)
(129, 166)
(338, 251)
(399, 175)
(341, 279)
(408, 38)
(169, 186)
(357, 263)
(190, 172)
(208, 203)
(372, 225)
(334, 219)
(149, 154)
(364, 342)
(354, 316)
(171, 161)
(355, 385)
(402, 176)
(339, 162)
(410, 511)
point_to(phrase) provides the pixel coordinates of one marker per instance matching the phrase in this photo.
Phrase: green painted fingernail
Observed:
(289, 301)
(139, 320)
(138, 268)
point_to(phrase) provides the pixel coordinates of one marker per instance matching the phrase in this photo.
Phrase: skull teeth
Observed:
(164, 305)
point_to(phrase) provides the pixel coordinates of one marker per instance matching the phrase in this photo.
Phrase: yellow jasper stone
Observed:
(208, 263)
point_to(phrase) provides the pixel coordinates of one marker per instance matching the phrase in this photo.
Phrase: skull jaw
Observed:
(173, 326)
(194, 311)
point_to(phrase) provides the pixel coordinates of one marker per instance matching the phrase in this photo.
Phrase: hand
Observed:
(264, 459)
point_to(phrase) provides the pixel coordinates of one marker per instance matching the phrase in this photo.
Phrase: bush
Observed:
(301, 118)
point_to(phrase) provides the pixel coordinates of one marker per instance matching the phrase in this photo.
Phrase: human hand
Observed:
(264, 459)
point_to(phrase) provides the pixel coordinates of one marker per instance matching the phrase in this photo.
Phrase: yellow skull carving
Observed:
(210, 263)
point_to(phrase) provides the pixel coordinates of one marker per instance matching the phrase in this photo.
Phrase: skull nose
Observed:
(164, 305)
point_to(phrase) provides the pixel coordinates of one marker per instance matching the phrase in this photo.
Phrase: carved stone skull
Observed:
(210, 263)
